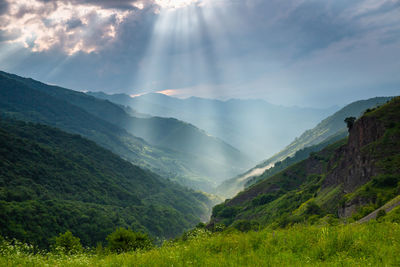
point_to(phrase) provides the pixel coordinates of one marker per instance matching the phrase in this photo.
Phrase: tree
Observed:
(350, 122)
(313, 208)
(123, 240)
(68, 244)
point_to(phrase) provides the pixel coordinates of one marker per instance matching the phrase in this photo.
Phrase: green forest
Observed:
(52, 181)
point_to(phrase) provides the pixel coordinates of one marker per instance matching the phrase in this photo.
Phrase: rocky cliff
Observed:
(352, 165)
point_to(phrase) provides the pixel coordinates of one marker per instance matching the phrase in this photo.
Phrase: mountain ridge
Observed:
(194, 164)
(255, 127)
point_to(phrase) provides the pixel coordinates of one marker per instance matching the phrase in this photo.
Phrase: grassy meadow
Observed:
(370, 244)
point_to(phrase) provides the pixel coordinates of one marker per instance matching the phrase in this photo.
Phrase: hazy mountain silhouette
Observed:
(255, 127)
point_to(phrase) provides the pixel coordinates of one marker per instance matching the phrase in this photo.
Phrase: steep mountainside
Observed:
(255, 127)
(231, 187)
(52, 181)
(349, 178)
(171, 148)
(326, 132)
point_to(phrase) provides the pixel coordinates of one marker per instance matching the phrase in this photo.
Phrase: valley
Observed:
(54, 180)
(199, 133)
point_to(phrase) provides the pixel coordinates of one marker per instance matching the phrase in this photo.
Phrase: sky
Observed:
(294, 52)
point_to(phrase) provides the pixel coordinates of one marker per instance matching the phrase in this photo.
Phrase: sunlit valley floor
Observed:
(90, 179)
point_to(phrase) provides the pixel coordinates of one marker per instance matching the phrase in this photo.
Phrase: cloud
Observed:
(214, 48)
(70, 26)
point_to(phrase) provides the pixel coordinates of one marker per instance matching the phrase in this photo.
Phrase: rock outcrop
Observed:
(352, 165)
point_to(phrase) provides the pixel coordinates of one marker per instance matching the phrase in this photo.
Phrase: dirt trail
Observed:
(387, 207)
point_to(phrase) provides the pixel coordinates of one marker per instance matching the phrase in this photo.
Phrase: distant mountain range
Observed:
(52, 181)
(350, 179)
(255, 127)
(326, 132)
(169, 147)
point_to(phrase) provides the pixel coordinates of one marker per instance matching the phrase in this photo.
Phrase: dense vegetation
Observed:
(372, 244)
(169, 147)
(312, 140)
(52, 181)
(351, 177)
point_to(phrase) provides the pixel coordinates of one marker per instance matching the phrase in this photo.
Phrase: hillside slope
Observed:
(171, 148)
(326, 132)
(52, 181)
(349, 178)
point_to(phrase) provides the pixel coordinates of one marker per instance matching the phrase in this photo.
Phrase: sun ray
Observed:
(175, 4)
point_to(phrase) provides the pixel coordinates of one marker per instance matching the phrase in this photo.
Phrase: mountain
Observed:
(214, 159)
(231, 187)
(326, 132)
(169, 147)
(348, 179)
(52, 181)
(255, 127)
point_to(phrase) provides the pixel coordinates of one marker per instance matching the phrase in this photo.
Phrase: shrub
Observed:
(228, 212)
(67, 243)
(350, 122)
(201, 225)
(263, 199)
(218, 227)
(245, 226)
(380, 213)
(123, 240)
(217, 209)
(386, 180)
(194, 233)
(313, 209)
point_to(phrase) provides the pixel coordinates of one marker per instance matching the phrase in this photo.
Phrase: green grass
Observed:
(372, 244)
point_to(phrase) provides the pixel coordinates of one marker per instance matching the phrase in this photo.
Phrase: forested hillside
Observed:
(231, 187)
(52, 181)
(169, 147)
(350, 178)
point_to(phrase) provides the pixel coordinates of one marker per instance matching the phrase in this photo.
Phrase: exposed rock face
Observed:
(352, 166)
(348, 208)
